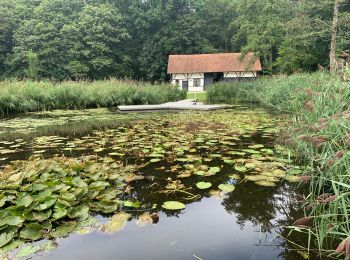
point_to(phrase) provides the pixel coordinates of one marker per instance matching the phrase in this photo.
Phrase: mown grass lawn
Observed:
(201, 96)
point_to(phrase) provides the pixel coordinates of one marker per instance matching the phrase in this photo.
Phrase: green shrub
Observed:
(223, 92)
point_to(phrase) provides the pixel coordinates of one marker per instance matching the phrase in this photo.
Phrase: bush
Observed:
(223, 92)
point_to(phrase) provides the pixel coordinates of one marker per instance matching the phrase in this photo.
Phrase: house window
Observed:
(177, 82)
(197, 83)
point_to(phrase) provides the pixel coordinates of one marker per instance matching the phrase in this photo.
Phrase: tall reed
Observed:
(23, 96)
(319, 132)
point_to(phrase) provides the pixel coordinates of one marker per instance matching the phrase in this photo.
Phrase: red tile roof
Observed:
(220, 62)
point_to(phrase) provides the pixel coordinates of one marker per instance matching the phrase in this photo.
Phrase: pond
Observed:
(97, 184)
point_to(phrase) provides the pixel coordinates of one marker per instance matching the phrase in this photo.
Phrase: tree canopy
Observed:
(97, 39)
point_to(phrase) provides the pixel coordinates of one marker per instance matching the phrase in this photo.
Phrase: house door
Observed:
(208, 80)
(185, 85)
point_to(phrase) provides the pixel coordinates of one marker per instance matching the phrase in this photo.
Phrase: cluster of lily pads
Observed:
(51, 198)
(182, 152)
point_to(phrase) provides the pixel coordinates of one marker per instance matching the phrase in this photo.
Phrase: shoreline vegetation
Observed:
(31, 96)
(319, 134)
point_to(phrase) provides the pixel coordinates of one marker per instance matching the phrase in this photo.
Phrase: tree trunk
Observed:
(332, 55)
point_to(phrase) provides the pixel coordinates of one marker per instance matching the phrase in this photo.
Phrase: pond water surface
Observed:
(235, 190)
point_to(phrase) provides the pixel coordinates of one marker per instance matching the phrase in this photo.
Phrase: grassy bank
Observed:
(320, 133)
(24, 96)
(200, 97)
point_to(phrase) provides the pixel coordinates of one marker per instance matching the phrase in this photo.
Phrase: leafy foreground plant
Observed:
(51, 198)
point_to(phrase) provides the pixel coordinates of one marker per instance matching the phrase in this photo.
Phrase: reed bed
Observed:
(24, 96)
(319, 132)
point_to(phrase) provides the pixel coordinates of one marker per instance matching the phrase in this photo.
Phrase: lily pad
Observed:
(32, 231)
(257, 146)
(173, 205)
(28, 250)
(235, 177)
(255, 178)
(117, 223)
(6, 237)
(64, 230)
(200, 173)
(203, 185)
(250, 165)
(226, 187)
(24, 201)
(229, 161)
(265, 183)
(240, 168)
(292, 178)
(214, 170)
(132, 204)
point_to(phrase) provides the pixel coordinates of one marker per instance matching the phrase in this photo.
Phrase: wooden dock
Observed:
(173, 106)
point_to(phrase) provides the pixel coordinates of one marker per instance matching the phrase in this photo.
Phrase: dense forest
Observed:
(97, 39)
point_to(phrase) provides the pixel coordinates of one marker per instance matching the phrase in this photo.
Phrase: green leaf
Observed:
(200, 173)
(229, 161)
(80, 211)
(155, 160)
(6, 237)
(173, 205)
(203, 185)
(214, 170)
(117, 223)
(47, 204)
(43, 196)
(24, 201)
(132, 204)
(240, 168)
(292, 178)
(3, 200)
(39, 187)
(11, 246)
(32, 231)
(265, 183)
(11, 221)
(257, 146)
(59, 213)
(99, 185)
(235, 177)
(226, 187)
(251, 151)
(64, 230)
(48, 246)
(237, 153)
(67, 196)
(250, 165)
(38, 216)
(28, 250)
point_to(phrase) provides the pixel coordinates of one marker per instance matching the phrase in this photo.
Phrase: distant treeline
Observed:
(97, 39)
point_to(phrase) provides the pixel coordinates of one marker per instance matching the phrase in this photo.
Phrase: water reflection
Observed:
(207, 229)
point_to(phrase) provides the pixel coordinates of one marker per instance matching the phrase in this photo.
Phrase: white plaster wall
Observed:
(189, 77)
(247, 74)
(174, 82)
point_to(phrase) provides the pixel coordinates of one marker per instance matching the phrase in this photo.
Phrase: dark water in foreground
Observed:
(248, 223)
(238, 227)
